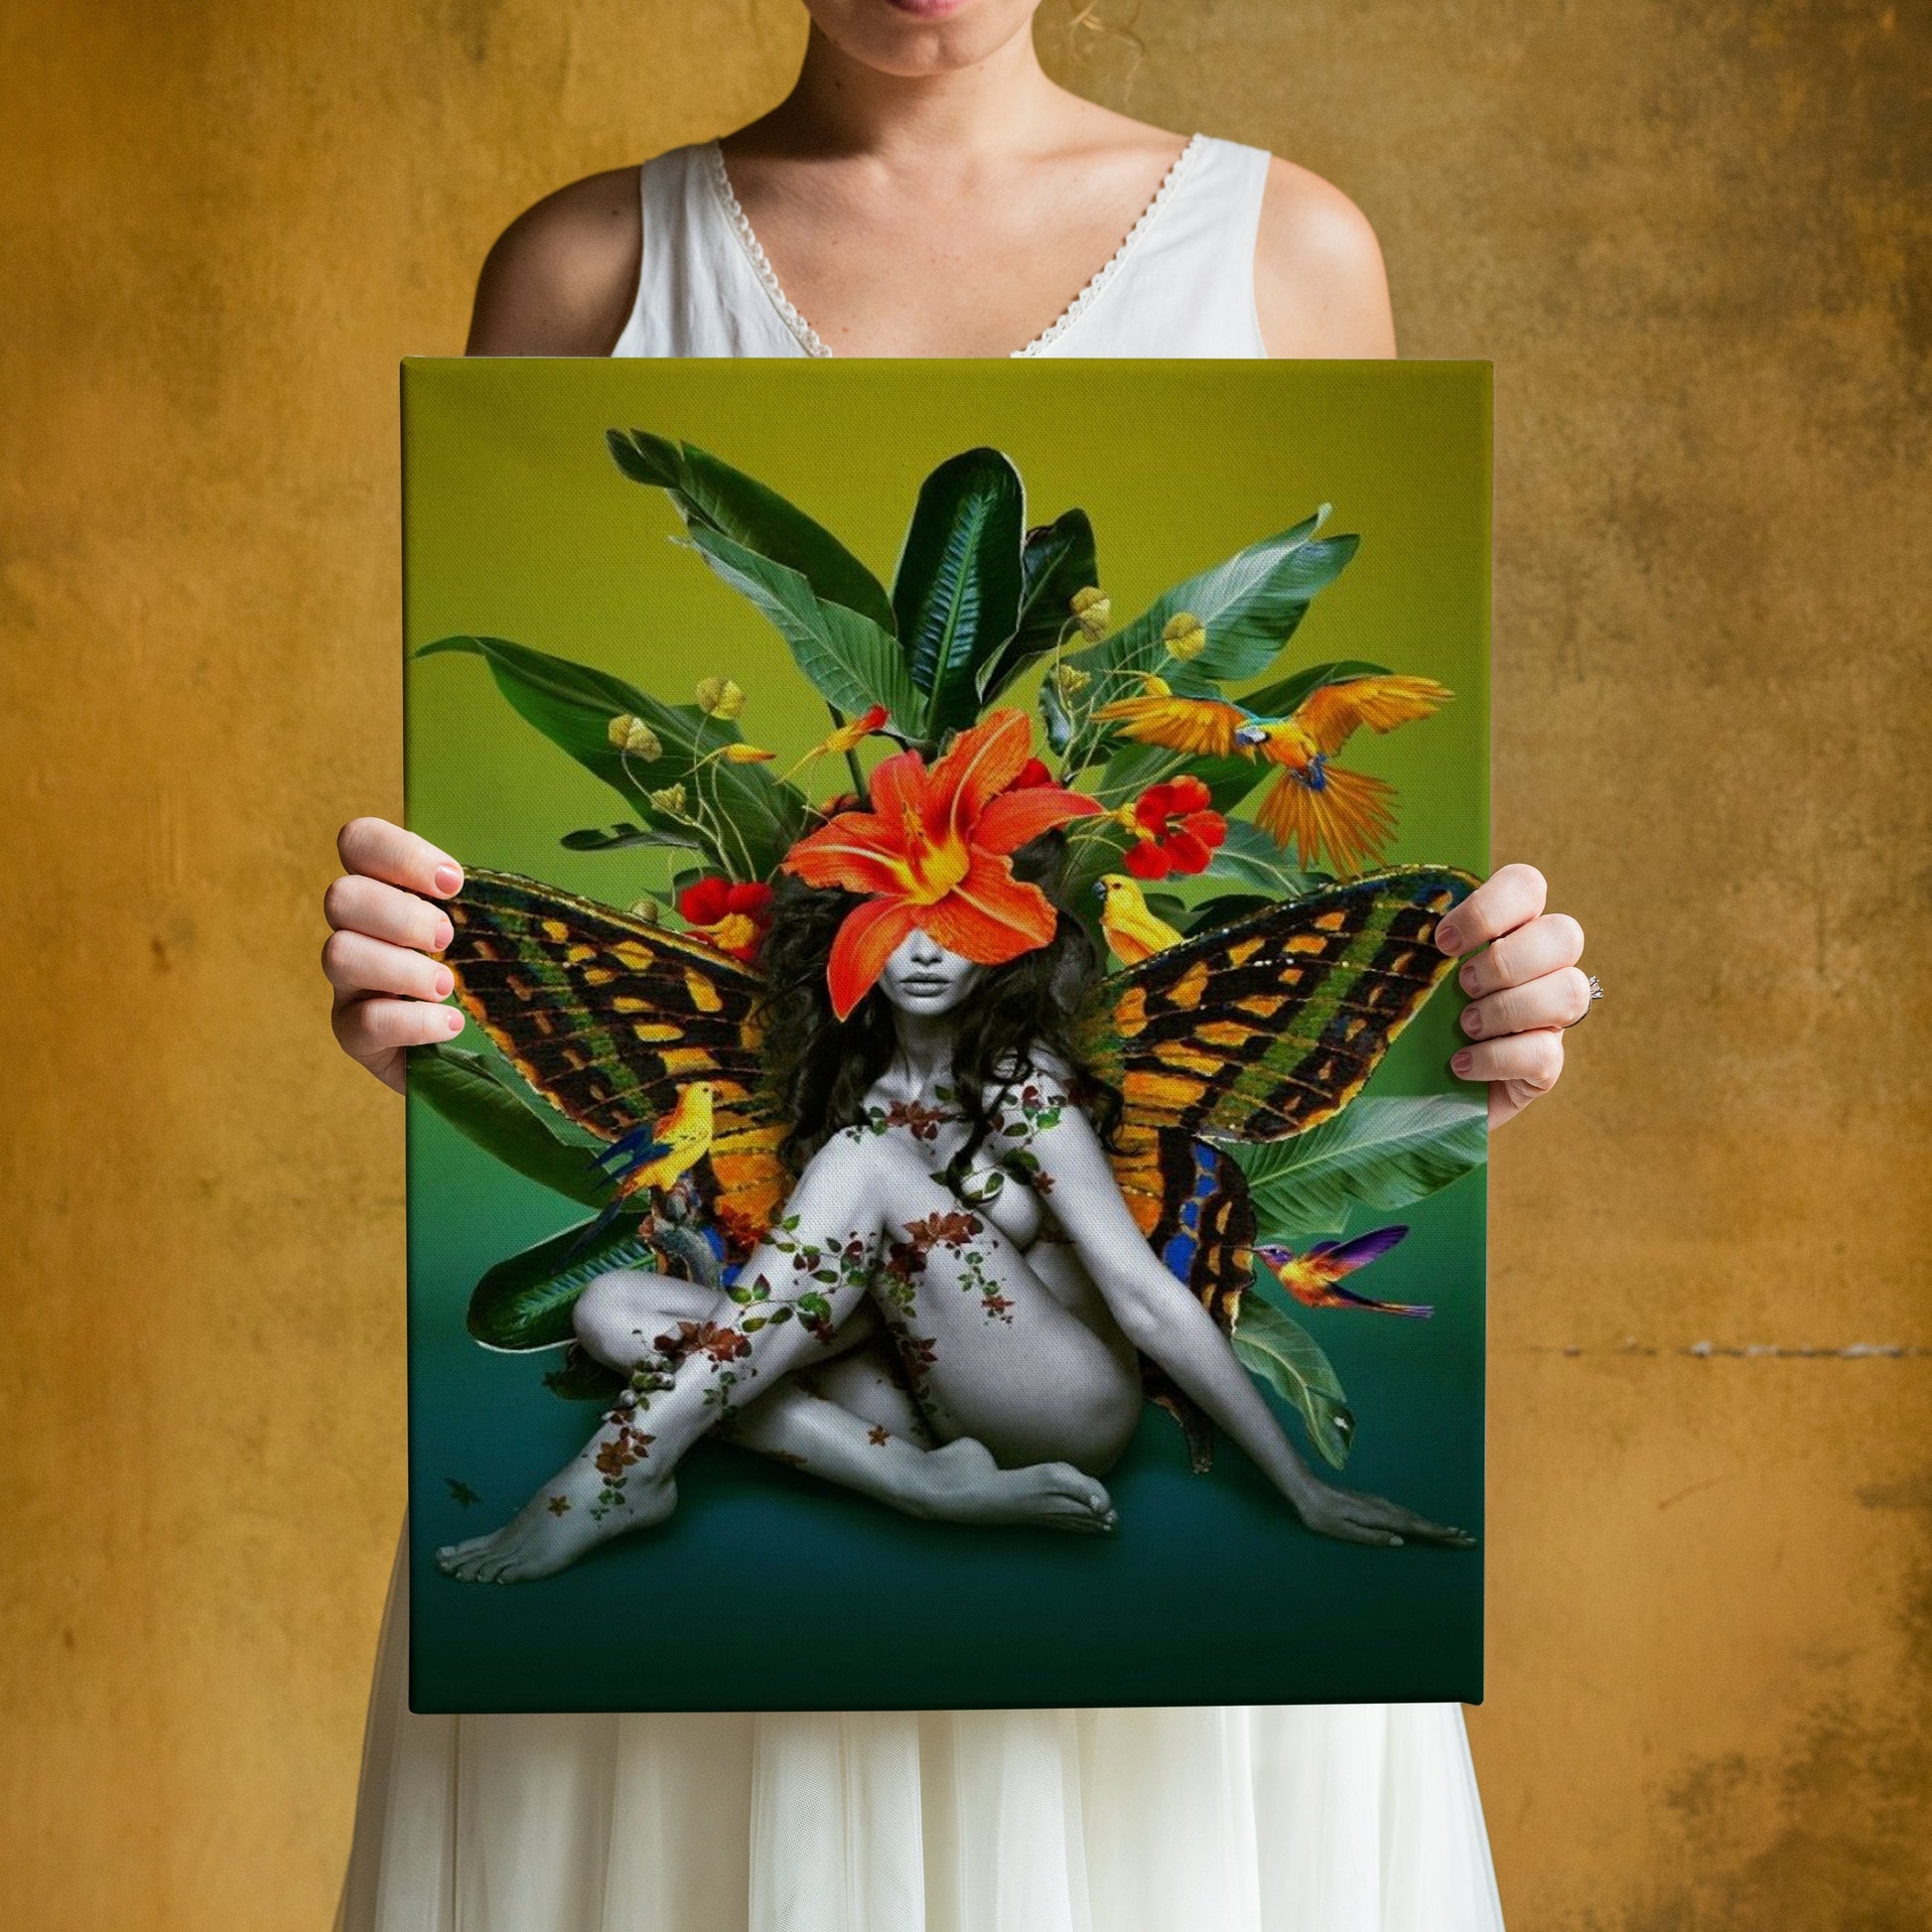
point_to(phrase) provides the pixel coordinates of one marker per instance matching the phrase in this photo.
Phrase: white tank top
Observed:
(1182, 283)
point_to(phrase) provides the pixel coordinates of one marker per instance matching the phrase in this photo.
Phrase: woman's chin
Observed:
(895, 35)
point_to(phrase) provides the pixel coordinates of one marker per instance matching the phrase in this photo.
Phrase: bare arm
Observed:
(1168, 1324)
(561, 278)
(1319, 286)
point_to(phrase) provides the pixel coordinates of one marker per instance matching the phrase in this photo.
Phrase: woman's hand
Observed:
(1524, 986)
(1354, 1516)
(388, 992)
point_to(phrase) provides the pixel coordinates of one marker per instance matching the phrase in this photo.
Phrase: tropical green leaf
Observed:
(467, 1092)
(1290, 1360)
(571, 705)
(956, 591)
(1225, 911)
(526, 1301)
(1057, 561)
(706, 490)
(853, 664)
(622, 835)
(1250, 605)
(1248, 856)
(1133, 767)
(1376, 1153)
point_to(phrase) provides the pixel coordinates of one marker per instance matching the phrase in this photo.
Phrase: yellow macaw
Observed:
(1315, 805)
(1204, 726)
(1132, 930)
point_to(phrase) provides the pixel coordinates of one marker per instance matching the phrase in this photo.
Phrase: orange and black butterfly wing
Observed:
(1259, 1029)
(608, 1017)
(1255, 1032)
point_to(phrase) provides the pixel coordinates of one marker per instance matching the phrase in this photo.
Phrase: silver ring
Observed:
(1596, 994)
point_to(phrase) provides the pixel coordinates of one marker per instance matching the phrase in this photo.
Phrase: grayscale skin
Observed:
(1017, 1308)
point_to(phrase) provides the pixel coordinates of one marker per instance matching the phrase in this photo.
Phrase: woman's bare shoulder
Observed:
(1319, 285)
(561, 278)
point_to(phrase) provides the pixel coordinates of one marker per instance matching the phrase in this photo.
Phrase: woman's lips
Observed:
(929, 9)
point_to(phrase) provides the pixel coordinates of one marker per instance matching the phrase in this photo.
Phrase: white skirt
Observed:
(1299, 1818)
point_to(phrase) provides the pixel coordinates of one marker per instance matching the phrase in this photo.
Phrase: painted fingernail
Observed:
(1448, 938)
(1463, 1062)
(454, 1021)
(1466, 978)
(448, 879)
(1472, 1022)
(441, 937)
(445, 982)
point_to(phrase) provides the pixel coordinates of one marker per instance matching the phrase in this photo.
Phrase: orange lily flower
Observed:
(934, 852)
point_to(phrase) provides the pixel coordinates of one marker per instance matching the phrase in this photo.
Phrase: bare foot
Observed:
(606, 1490)
(966, 1485)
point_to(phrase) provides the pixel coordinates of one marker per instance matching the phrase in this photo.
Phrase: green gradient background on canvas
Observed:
(768, 1589)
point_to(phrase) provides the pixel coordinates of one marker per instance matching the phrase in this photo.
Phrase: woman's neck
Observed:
(925, 1048)
(841, 106)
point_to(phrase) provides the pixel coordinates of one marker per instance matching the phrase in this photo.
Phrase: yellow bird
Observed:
(1132, 930)
(1315, 805)
(659, 1156)
(1204, 726)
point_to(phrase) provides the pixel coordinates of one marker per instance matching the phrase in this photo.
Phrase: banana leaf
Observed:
(956, 591)
(1377, 1154)
(1057, 560)
(525, 1303)
(571, 705)
(852, 661)
(486, 1110)
(706, 490)
(1290, 1361)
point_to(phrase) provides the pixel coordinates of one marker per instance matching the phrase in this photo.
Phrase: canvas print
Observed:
(950, 1192)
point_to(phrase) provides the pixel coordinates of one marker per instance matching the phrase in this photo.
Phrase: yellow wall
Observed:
(1685, 237)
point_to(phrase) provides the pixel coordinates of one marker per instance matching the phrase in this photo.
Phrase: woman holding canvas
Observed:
(926, 189)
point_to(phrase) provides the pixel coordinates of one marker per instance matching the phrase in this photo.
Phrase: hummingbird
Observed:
(1315, 1279)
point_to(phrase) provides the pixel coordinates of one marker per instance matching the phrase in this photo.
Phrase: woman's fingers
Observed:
(1378, 1512)
(355, 903)
(354, 963)
(1510, 897)
(1558, 999)
(1533, 1059)
(1545, 946)
(379, 849)
(375, 1030)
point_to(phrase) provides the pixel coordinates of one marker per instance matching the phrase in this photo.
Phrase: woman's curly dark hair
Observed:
(823, 1067)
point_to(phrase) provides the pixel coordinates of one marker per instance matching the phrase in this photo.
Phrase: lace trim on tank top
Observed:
(808, 338)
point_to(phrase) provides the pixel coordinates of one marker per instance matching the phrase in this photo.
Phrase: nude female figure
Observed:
(1016, 1291)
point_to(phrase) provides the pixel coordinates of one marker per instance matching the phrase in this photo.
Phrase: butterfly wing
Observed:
(1255, 1032)
(1259, 1029)
(608, 1017)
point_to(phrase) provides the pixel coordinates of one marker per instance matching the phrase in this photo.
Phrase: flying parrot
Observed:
(1315, 805)
(1132, 930)
(659, 1156)
(1315, 1279)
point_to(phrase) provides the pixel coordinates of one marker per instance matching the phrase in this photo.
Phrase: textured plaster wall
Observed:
(1694, 242)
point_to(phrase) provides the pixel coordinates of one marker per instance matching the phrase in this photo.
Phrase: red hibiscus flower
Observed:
(734, 918)
(934, 852)
(1177, 829)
